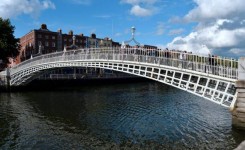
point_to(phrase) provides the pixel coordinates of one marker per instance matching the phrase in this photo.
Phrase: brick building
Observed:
(38, 41)
(67, 40)
(43, 41)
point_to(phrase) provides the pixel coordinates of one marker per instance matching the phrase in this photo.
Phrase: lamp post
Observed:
(133, 29)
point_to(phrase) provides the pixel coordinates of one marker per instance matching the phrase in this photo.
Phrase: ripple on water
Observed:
(139, 115)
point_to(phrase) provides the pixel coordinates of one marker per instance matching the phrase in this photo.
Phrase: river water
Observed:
(141, 115)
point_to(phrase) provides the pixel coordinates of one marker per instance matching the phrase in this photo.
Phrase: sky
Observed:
(201, 26)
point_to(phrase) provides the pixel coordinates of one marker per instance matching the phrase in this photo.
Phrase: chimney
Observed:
(70, 32)
(44, 27)
(59, 31)
(93, 36)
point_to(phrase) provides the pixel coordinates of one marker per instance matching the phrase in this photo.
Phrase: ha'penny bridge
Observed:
(217, 79)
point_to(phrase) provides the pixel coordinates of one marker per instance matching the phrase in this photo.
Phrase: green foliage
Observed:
(9, 46)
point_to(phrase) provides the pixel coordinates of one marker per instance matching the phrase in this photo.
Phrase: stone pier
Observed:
(238, 113)
(5, 80)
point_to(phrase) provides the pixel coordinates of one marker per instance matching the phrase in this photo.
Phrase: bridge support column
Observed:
(238, 113)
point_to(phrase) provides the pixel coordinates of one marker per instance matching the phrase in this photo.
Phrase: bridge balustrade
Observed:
(211, 65)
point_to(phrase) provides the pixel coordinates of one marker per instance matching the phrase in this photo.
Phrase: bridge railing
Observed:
(211, 65)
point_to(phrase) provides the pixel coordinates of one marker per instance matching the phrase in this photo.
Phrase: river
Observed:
(135, 115)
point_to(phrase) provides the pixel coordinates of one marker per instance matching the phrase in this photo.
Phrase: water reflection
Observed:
(138, 115)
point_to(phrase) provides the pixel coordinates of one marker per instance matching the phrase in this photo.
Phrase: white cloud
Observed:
(132, 2)
(236, 51)
(220, 28)
(136, 2)
(160, 28)
(175, 19)
(161, 46)
(188, 43)
(142, 8)
(176, 31)
(212, 37)
(216, 9)
(10, 8)
(118, 34)
(48, 4)
(103, 16)
(82, 2)
(139, 11)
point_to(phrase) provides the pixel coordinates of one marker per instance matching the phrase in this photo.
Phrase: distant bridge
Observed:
(211, 78)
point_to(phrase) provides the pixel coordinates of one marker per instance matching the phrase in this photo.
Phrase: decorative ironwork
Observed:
(124, 43)
(197, 76)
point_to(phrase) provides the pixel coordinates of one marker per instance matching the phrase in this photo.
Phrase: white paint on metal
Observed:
(171, 71)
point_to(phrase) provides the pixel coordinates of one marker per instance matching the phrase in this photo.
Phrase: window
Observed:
(39, 42)
(53, 37)
(46, 44)
(53, 44)
(39, 36)
(65, 40)
(46, 37)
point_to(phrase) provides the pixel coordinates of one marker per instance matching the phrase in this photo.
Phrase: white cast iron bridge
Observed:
(208, 77)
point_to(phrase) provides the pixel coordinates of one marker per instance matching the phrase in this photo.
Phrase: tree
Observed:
(9, 45)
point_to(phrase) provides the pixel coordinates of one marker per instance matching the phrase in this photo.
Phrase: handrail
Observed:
(218, 66)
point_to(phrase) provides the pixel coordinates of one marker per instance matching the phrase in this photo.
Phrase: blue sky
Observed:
(200, 26)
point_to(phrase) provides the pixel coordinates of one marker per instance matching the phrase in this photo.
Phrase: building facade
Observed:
(68, 40)
(43, 41)
(38, 41)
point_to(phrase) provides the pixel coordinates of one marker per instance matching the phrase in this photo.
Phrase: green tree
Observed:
(9, 45)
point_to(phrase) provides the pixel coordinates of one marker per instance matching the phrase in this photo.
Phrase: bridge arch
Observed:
(192, 78)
